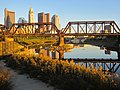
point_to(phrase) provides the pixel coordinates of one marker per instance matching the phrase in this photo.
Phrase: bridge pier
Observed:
(7, 47)
(61, 55)
(61, 40)
(118, 47)
(118, 54)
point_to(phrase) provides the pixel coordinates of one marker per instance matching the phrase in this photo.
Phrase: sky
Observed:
(67, 10)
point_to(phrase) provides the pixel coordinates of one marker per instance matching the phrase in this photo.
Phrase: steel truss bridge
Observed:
(78, 28)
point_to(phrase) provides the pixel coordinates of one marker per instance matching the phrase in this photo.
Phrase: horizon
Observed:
(81, 11)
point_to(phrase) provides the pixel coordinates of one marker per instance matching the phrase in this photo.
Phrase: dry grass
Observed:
(64, 75)
(5, 76)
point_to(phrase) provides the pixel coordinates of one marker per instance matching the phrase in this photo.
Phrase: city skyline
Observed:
(67, 10)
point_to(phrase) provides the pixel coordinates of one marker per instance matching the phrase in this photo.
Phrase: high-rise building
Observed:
(43, 18)
(31, 20)
(31, 15)
(47, 15)
(56, 21)
(9, 18)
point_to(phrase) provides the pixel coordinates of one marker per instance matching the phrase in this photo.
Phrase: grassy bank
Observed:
(64, 75)
(37, 40)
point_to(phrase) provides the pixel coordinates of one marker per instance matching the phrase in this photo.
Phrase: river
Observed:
(89, 51)
(81, 51)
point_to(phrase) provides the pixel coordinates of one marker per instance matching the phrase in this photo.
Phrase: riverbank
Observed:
(36, 41)
(63, 75)
(20, 81)
(111, 44)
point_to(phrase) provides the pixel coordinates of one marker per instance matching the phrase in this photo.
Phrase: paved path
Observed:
(21, 82)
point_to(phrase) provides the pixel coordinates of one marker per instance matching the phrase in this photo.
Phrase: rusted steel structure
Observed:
(92, 27)
(3, 29)
(78, 28)
(32, 28)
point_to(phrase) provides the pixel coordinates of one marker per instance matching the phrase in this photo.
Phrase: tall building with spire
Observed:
(31, 20)
(9, 18)
(56, 20)
(31, 15)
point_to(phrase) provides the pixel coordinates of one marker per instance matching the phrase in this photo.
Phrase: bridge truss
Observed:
(3, 29)
(85, 28)
(78, 28)
(32, 29)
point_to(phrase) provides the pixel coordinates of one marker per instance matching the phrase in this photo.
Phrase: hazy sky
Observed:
(68, 10)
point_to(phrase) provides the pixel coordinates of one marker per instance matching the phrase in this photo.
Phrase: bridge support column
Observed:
(61, 55)
(118, 47)
(61, 40)
(8, 46)
(118, 54)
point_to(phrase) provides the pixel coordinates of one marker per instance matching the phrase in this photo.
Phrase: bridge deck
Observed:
(67, 34)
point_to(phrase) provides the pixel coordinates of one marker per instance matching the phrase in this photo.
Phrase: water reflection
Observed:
(81, 51)
(76, 51)
(89, 51)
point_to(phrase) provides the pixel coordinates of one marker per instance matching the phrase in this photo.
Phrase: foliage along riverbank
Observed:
(5, 76)
(63, 75)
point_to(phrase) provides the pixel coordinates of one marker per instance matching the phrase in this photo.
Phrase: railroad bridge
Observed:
(72, 28)
(76, 28)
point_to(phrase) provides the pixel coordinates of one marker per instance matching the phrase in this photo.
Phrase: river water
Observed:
(89, 51)
(83, 51)
(80, 51)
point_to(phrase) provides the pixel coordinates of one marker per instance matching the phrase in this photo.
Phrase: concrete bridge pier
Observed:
(61, 40)
(61, 55)
(7, 47)
(118, 47)
(118, 54)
